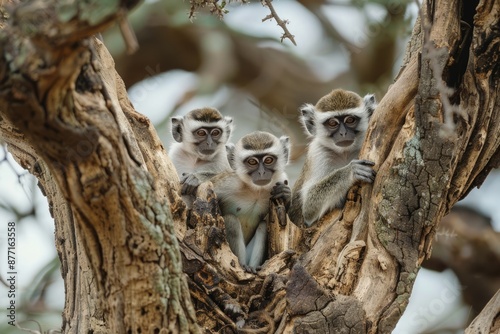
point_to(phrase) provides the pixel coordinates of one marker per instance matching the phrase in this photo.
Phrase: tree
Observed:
(131, 254)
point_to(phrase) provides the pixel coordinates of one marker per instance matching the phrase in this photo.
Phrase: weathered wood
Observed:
(488, 321)
(103, 168)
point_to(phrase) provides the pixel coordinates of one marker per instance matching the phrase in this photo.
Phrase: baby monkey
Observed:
(258, 161)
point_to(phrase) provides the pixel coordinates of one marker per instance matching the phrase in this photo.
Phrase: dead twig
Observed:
(280, 22)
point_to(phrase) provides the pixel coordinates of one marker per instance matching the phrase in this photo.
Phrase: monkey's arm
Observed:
(234, 236)
(330, 192)
(257, 247)
(191, 181)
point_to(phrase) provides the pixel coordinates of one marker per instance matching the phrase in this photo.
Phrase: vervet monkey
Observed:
(199, 152)
(258, 160)
(337, 125)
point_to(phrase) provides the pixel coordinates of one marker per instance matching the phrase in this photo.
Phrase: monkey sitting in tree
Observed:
(258, 161)
(199, 152)
(337, 125)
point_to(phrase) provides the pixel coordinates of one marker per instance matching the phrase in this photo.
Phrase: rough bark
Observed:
(66, 117)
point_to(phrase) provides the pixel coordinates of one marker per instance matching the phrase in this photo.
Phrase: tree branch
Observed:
(279, 21)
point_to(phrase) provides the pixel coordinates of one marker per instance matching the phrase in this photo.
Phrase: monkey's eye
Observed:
(252, 162)
(349, 120)
(332, 122)
(216, 132)
(268, 160)
(201, 132)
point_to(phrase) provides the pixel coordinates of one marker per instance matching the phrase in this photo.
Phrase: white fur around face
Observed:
(313, 122)
(187, 158)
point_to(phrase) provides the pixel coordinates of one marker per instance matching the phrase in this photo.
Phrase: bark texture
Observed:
(67, 119)
(122, 231)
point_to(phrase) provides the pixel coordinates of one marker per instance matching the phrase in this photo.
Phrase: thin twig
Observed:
(128, 35)
(280, 22)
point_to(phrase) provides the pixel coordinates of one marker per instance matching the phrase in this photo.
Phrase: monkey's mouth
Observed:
(262, 182)
(344, 143)
(207, 152)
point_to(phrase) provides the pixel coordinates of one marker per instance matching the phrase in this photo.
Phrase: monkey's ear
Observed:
(230, 147)
(177, 128)
(307, 118)
(285, 144)
(370, 104)
(229, 126)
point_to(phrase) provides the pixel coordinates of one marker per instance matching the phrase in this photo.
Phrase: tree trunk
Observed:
(67, 119)
(122, 230)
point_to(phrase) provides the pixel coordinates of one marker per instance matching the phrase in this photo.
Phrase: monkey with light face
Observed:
(337, 125)
(258, 161)
(199, 152)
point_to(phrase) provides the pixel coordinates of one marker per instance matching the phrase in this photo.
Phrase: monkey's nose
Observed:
(261, 170)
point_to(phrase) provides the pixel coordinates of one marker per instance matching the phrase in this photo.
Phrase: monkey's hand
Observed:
(282, 191)
(190, 183)
(362, 171)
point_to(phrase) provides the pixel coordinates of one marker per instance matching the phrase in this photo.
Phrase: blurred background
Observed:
(239, 65)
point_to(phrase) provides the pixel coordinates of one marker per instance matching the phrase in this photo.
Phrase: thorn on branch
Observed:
(268, 17)
(280, 22)
(213, 6)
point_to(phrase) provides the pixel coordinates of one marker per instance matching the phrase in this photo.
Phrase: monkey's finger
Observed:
(365, 162)
(279, 185)
(365, 170)
(184, 189)
(281, 193)
(190, 188)
(370, 174)
(187, 190)
(284, 197)
(365, 178)
(281, 190)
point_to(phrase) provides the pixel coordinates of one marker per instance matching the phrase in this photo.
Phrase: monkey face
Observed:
(207, 140)
(259, 158)
(339, 120)
(261, 168)
(203, 132)
(342, 129)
